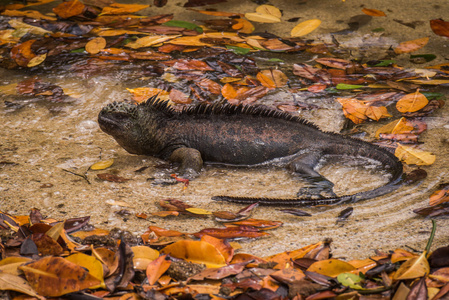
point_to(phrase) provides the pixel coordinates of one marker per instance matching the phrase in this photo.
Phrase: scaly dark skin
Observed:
(241, 136)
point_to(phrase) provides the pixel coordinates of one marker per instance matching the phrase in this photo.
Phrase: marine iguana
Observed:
(241, 136)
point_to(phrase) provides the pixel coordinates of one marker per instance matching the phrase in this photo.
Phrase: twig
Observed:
(80, 175)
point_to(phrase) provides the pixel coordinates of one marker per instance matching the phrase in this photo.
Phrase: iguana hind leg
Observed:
(190, 160)
(317, 185)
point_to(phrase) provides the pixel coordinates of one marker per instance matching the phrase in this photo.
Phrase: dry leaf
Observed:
(148, 41)
(120, 9)
(330, 267)
(414, 156)
(103, 164)
(56, 276)
(440, 27)
(198, 211)
(69, 9)
(9, 282)
(269, 10)
(305, 27)
(143, 255)
(412, 102)
(373, 12)
(90, 263)
(413, 268)
(439, 196)
(411, 46)
(95, 45)
(156, 268)
(272, 78)
(262, 18)
(197, 252)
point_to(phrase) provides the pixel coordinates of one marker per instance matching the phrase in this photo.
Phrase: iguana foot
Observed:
(315, 192)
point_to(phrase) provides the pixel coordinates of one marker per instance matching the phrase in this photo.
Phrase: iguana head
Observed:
(121, 120)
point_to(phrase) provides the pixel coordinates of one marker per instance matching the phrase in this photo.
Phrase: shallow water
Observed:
(43, 139)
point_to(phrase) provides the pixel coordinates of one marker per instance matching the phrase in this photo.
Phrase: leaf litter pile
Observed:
(208, 62)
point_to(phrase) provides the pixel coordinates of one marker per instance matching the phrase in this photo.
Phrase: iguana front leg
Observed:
(190, 160)
(317, 185)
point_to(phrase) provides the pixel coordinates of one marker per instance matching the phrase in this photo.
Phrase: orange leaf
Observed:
(56, 276)
(285, 257)
(330, 267)
(440, 27)
(192, 64)
(179, 97)
(196, 252)
(413, 268)
(412, 102)
(119, 9)
(95, 45)
(156, 268)
(373, 12)
(228, 92)
(439, 196)
(411, 46)
(272, 78)
(305, 27)
(69, 9)
(164, 232)
(261, 224)
(377, 112)
(210, 86)
(353, 109)
(22, 53)
(401, 255)
(143, 94)
(221, 245)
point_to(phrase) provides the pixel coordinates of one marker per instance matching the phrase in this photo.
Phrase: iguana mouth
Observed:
(107, 124)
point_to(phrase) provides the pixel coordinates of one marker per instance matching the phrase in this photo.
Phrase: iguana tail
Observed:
(352, 147)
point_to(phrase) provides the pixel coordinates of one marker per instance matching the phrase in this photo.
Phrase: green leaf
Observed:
(238, 50)
(184, 24)
(433, 96)
(342, 86)
(384, 63)
(427, 57)
(350, 280)
(79, 50)
(379, 29)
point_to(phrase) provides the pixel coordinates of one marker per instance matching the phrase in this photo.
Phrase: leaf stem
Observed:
(432, 235)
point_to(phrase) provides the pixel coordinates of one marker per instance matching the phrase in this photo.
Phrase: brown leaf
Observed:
(411, 46)
(440, 196)
(179, 97)
(156, 268)
(69, 9)
(210, 85)
(272, 78)
(95, 45)
(219, 273)
(111, 177)
(257, 223)
(55, 276)
(192, 64)
(231, 232)
(440, 27)
(373, 12)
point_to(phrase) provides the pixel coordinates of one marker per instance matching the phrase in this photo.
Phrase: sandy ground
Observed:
(42, 140)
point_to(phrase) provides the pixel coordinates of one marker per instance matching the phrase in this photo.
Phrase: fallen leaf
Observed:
(269, 10)
(272, 78)
(411, 46)
(37, 60)
(56, 276)
(120, 9)
(330, 267)
(413, 268)
(198, 211)
(103, 164)
(305, 27)
(69, 9)
(157, 268)
(414, 156)
(262, 18)
(412, 102)
(440, 196)
(10, 282)
(95, 45)
(373, 12)
(197, 252)
(90, 263)
(148, 41)
(440, 27)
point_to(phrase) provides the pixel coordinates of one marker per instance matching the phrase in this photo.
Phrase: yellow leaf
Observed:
(148, 41)
(143, 255)
(330, 267)
(430, 82)
(396, 127)
(196, 252)
(411, 46)
(92, 264)
(119, 9)
(305, 27)
(55, 231)
(10, 264)
(413, 268)
(269, 10)
(103, 164)
(198, 211)
(37, 60)
(262, 18)
(414, 156)
(412, 102)
(95, 45)
(28, 28)
(27, 13)
(10, 282)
